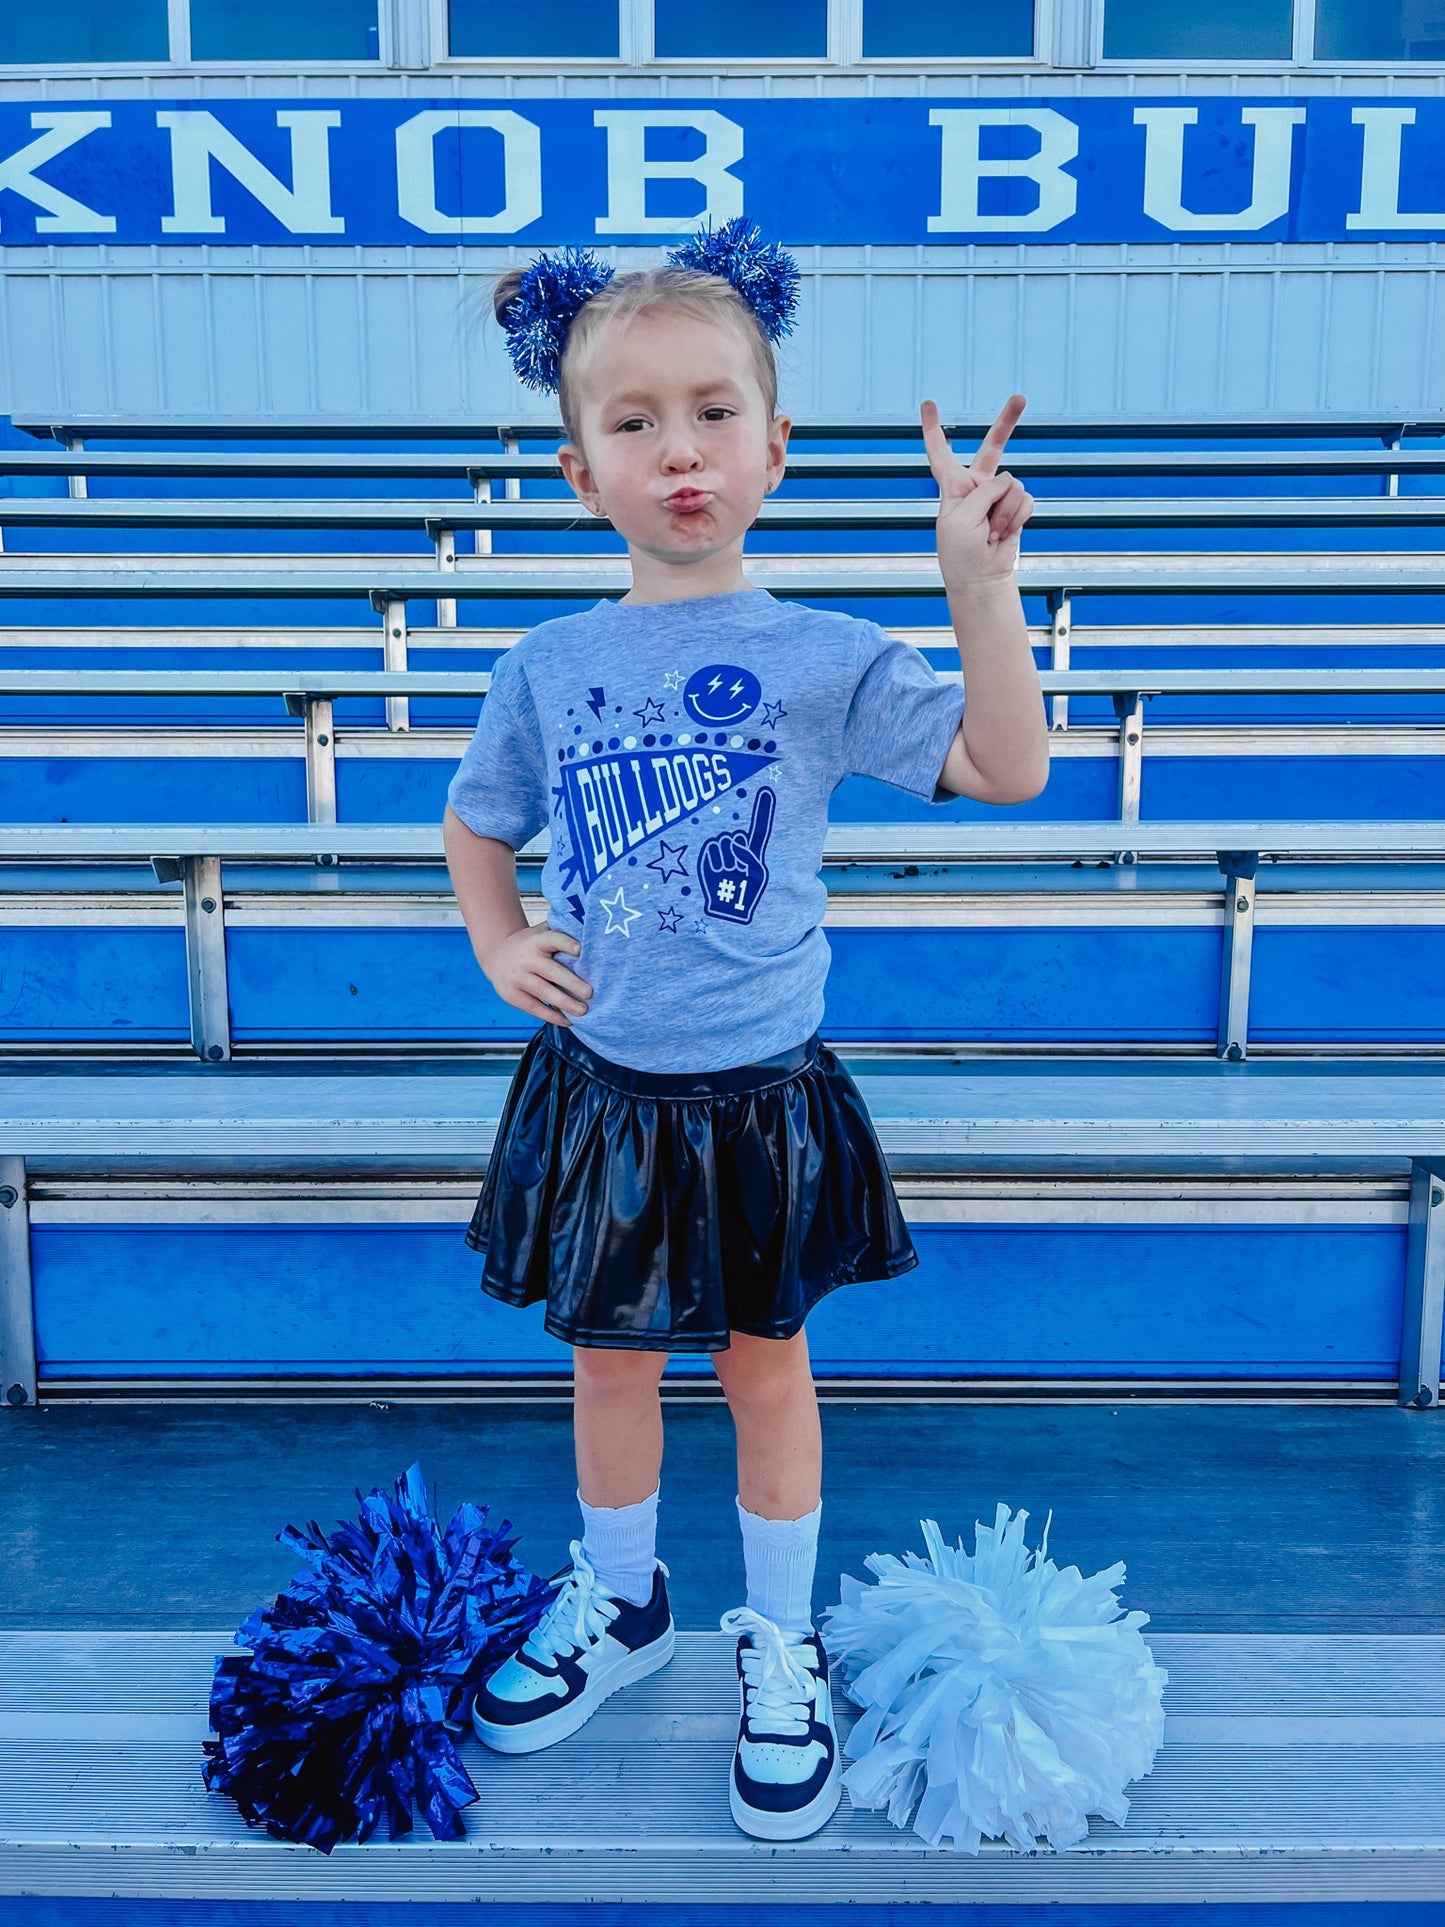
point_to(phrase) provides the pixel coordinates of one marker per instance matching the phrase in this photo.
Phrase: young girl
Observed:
(681, 1164)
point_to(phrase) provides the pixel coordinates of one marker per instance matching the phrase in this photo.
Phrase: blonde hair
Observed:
(708, 297)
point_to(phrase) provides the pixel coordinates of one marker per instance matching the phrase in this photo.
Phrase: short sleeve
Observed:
(500, 787)
(902, 717)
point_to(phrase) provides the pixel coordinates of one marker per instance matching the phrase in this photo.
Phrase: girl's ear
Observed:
(778, 434)
(574, 467)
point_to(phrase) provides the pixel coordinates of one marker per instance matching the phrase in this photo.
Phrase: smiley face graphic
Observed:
(721, 694)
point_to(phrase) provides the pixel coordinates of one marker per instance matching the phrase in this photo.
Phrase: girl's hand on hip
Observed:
(525, 972)
(980, 511)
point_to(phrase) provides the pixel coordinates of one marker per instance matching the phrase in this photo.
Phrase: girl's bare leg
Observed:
(617, 1424)
(774, 1403)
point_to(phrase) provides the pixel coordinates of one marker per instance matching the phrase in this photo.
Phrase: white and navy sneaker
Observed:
(587, 1644)
(786, 1778)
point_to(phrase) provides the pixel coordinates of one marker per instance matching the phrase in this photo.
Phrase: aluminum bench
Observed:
(1295, 1770)
(312, 695)
(1297, 1211)
(440, 520)
(193, 856)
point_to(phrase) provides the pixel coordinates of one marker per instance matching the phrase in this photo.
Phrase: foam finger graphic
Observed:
(765, 805)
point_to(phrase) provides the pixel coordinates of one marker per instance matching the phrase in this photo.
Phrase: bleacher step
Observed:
(1293, 1767)
(1032, 1113)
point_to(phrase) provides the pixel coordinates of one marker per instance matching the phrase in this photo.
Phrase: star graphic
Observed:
(699, 925)
(660, 862)
(771, 773)
(664, 915)
(772, 711)
(619, 917)
(645, 715)
(672, 679)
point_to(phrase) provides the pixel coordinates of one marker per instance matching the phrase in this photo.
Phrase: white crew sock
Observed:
(621, 1542)
(780, 1556)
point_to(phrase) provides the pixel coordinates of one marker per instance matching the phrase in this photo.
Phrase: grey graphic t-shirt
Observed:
(682, 755)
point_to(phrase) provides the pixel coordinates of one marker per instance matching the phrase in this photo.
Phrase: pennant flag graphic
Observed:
(616, 803)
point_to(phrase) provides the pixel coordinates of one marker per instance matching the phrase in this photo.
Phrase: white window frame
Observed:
(1302, 57)
(1046, 40)
(845, 48)
(178, 60)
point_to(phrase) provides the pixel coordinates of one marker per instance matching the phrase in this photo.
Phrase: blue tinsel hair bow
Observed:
(763, 272)
(554, 290)
(556, 287)
(341, 1715)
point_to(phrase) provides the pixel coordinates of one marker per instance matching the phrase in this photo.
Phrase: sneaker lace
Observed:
(777, 1676)
(580, 1613)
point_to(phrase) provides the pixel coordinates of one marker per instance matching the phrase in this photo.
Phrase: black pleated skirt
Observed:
(662, 1212)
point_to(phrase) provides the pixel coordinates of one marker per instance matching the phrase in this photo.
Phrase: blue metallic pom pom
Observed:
(555, 287)
(763, 272)
(338, 1715)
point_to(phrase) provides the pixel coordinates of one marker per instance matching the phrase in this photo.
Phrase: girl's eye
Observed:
(717, 410)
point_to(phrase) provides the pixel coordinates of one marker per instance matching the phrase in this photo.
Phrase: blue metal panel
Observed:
(45, 1911)
(1078, 789)
(906, 985)
(1385, 984)
(152, 789)
(1338, 788)
(1255, 1302)
(63, 985)
(387, 790)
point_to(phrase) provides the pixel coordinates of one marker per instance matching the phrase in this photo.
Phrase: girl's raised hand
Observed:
(980, 511)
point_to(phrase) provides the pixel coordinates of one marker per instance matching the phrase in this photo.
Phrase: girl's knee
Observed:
(764, 1371)
(607, 1371)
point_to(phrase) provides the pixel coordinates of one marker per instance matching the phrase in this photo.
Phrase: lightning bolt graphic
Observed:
(595, 699)
(736, 689)
(715, 684)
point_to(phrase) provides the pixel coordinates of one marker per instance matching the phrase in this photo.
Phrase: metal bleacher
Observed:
(225, 852)
(1156, 1061)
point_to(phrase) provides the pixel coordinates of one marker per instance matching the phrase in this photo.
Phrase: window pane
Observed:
(1191, 30)
(937, 29)
(84, 30)
(283, 30)
(740, 29)
(1380, 29)
(551, 29)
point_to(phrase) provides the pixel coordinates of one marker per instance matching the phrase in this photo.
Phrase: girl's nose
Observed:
(680, 451)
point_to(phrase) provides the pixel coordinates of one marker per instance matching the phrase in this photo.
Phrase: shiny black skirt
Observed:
(662, 1212)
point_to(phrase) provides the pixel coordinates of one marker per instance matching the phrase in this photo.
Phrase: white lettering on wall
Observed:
(416, 171)
(963, 168)
(1380, 171)
(198, 138)
(629, 170)
(1164, 168)
(64, 216)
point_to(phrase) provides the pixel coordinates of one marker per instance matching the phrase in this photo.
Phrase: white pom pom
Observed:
(1002, 1698)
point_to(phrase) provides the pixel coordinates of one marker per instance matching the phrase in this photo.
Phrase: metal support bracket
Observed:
(17, 1304)
(393, 652)
(79, 484)
(481, 492)
(206, 984)
(446, 547)
(511, 445)
(1240, 868)
(1392, 441)
(1423, 1325)
(1060, 627)
(320, 753)
(1129, 708)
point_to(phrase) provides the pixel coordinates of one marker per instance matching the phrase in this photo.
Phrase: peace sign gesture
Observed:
(980, 511)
